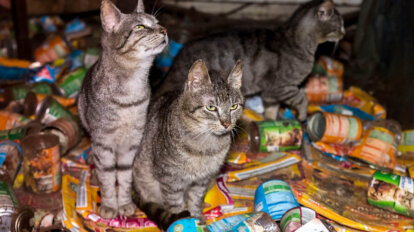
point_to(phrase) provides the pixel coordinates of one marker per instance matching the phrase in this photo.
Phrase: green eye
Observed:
(211, 108)
(233, 107)
(139, 27)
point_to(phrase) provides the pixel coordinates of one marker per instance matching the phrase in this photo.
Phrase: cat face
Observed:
(320, 18)
(135, 35)
(213, 105)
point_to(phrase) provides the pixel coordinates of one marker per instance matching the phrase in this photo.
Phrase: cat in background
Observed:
(275, 62)
(186, 139)
(114, 97)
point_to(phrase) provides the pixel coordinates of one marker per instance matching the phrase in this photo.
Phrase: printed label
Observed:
(341, 129)
(280, 135)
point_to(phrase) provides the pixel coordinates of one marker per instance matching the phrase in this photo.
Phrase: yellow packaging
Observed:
(331, 66)
(356, 97)
(251, 116)
(218, 195)
(237, 158)
(8, 62)
(70, 217)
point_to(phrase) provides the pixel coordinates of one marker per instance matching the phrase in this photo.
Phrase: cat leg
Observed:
(173, 195)
(195, 200)
(292, 96)
(125, 158)
(104, 160)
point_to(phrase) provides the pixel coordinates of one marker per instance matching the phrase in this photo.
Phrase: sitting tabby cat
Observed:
(114, 97)
(185, 142)
(275, 61)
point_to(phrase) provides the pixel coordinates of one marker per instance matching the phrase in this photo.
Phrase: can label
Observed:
(376, 148)
(186, 224)
(56, 111)
(296, 217)
(227, 224)
(331, 66)
(42, 87)
(19, 92)
(9, 120)
(8, 202)
(341, 128)
(324, 89)
(280, 135)
(392, 192)
(275, 198)
(12, 134)
(72, 83)
(42, 171)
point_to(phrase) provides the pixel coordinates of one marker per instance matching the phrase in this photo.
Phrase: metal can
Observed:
(9, 120)
(10, 158)
(72, 82)
(41, 162)
(274, 197)
(20, 132)
(334, 128)
(294, 218)
(8, 205)
(331, 66)
(67, 131)
(324, 89)
(19, 92)
(32, 102)
(187, 224)
(281, 135)
(392, 192)
(260, 221)
(21, 219)
(50, 110)
(378, 147)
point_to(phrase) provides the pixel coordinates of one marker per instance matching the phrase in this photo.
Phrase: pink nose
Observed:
(226, 124)
(163, 30)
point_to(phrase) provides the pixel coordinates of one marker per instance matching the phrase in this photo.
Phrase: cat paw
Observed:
(107, 212)
(127, 210)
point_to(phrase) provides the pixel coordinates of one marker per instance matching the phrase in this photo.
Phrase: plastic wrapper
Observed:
(331, 66)
(333, 150)
(407, 146)
(341, 109)
(10, 120)
(358, 98)
(51, 50)
(46, 74)
(255, 104)
(218, 195)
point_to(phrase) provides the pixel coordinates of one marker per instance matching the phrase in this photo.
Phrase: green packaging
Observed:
(71, 83)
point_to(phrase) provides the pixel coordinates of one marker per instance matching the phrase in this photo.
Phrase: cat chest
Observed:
(204, 167)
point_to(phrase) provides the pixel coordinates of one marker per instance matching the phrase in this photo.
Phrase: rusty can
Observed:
(10, 158)
(8, 205)
(50, 110)
(324, 89)
(334, 128)
(20, 132)
(294, 218)
(9, 120)
(41, 162)
(21, 219)
(19, 92)
(67, 131)
(32, 101)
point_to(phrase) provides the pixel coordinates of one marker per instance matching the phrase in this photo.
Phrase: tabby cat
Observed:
(185, 142)
(275, 61)
(114, 98)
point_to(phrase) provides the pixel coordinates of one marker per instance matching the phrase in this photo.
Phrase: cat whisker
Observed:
(153, 7)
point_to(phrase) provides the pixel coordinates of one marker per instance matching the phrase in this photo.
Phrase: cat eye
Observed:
(211, 108)
(139, 27)
(233, 107)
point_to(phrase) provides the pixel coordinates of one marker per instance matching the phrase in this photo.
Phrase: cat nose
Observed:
(163, 30)
(225, 124)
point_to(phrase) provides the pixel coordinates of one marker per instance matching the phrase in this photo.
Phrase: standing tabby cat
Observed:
(275, 61)
(114, 97)
(186, 139)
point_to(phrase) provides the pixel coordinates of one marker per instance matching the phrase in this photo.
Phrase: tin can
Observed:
(274, 197)
(260, 221)
(334, 128)
(9, 120)
(331, 66)
(21, 219)
(72, 82)
(52, 50)
(226, 224)
(281, 135)
(392, 192)
(50, 110)
(324, 89)
(67, 131)
(32, 102)
(379, 146)
(19, 92)
(10, 158)
(41, 163)
(294, 218)
(8, 205)
(187, 224)
(20, 132)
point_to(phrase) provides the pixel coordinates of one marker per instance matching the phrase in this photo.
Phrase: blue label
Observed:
(227, 224)
(185, 225)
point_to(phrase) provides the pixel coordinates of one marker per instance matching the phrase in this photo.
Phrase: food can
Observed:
(226, 224)
(20, 132)
(334, 128)
(67, 131)
(32, 102)
(50, 110)
(19, 92)
(274, 197)
(260, 221)
(294, 218)
(392, 192)
(10, 158)
(52, 50)
(9, 120)
(187, 224)
(41, 163)
(378, 147)
(324, 89)
(21, 219)
(72, 82)
(8, 205)
(331, 66)
(280, 135)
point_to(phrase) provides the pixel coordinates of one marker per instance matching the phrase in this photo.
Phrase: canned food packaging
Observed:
(378, 148)
(407, 142)
(186, 225)
(331, 66)
(67, 131)
(392, 192)
(9, 120)
(50, 110)
(72, 82)
(274, 197)
(281, 135)
(227, 224)
(10, 158)
(259, 222)
(32, 102)
(324, 89)
(334, 128)
(41, 163)
(294, 218)
(8, 205)
(21, 219)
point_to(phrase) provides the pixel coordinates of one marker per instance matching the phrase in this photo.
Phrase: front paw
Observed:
(127, 210)
(107, 212)
(201, 218)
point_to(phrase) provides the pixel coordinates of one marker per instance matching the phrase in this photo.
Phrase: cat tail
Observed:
(158, 214)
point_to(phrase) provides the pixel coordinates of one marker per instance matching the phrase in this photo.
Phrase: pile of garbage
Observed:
(349, 168)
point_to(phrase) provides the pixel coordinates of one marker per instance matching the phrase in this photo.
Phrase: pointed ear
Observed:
(110, 16)
(326, 10)
(140, 7)
(197, 76)
(235, 76)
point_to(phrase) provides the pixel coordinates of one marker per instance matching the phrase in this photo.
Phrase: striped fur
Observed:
(184, 143)
(275, 62)
(114, 98)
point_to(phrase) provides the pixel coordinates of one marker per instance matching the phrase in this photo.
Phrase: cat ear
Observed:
(140, 7)
(325, 10)
(235, 76)
(198, 76)
(110, 16)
